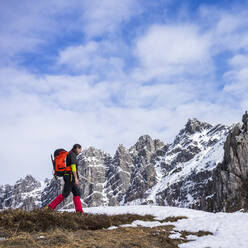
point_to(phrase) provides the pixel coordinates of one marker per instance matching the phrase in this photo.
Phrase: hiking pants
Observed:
(70, 186)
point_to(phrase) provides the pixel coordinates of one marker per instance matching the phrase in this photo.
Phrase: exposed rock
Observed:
(205, 167)
(93, 168)
(119, 176)
(187, 166)
(26, 194)
(230, 178)
(52, 188)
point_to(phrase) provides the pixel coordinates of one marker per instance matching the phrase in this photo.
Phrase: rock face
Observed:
(93, 168)
(188, 165)
(205, 167)
(119, 176)
(26, 194)
(230, 178)
(50, 190)
(143, 174)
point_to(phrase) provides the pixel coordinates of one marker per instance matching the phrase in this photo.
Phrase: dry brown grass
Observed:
(173, 218)
(46, 220)
(46, 229)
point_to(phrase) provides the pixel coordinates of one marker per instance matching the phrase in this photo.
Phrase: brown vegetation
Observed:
(44, 228)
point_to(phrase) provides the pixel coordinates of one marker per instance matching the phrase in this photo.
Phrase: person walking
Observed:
(71, 181)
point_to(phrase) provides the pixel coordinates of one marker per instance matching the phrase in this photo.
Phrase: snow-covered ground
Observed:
(230, 230)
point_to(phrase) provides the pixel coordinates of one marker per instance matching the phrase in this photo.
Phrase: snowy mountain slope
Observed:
(229, 229)
(194, 154)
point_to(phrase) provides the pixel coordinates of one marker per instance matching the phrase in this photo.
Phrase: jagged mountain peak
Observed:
(145, 142)
(25, 193)
(193, 125)
(93, 152)
(93, 157)
(26, 178)
(122, 153)
(121, 148)
(28, 183)
(193, 132)
(144, 139)
(149, 171)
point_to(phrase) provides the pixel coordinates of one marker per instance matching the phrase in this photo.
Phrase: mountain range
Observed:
(205, 167)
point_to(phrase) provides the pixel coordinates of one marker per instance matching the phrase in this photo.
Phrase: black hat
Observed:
(75, 146)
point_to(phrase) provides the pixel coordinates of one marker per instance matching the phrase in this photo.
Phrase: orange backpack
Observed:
(59, 162)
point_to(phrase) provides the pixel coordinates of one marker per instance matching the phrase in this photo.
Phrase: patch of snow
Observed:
(113, 227)
(151, 224)
(229, 229)
(41, 237)
(192, 237)
(175, 235)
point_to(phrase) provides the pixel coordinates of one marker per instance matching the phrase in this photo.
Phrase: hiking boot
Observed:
(47, 208)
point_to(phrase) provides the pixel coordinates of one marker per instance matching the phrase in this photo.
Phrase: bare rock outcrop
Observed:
(230, 178)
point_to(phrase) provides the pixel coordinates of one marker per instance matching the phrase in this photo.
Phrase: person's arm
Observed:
(74, 171)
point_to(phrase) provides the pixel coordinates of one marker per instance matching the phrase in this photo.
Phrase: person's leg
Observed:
(56, 202)
(66, 192)
(68, 185)
(76, 199)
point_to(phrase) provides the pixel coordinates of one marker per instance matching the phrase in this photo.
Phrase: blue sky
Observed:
(102, 73)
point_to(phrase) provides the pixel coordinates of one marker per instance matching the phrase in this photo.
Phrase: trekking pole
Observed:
(55, 177)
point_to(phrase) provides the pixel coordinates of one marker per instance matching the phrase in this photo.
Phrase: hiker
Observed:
(71, 180)
(245, 122)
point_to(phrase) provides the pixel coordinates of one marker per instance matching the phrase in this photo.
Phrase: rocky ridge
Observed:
(205, 167)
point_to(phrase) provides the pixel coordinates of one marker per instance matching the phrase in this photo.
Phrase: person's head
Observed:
(246, 112)
(77, 148)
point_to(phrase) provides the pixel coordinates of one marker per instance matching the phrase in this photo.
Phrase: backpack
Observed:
(59, 162)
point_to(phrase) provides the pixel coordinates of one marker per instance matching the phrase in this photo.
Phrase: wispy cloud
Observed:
(99, 58)
(167, 50)
(25, 25)
(105, 17)
(117, 72)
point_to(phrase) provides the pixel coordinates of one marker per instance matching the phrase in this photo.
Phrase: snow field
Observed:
(230, 230)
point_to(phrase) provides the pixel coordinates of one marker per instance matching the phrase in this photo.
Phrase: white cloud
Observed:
(229, 23)
(170, 50)
(155, 96)
(237, 78)
(104, 17)
(172, 45)
(39, 114)
(79, 56)
(27, 25)
(99, 58)
(106, 104)
(239, 60)
(228, 29)
(229, 35)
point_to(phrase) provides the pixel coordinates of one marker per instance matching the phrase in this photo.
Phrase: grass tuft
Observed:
(52, 229)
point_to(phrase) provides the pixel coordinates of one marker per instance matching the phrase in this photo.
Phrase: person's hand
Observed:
(76, 181)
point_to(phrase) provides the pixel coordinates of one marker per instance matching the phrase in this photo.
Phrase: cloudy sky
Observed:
(104, 72)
